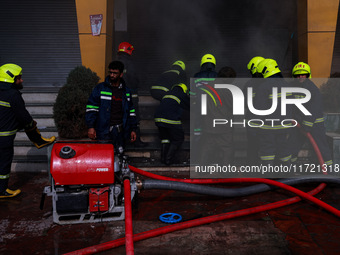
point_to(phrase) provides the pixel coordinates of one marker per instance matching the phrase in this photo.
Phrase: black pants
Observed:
(174, 135)
(6, 158)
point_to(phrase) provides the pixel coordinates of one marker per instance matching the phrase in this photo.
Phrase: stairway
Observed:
(39, 102)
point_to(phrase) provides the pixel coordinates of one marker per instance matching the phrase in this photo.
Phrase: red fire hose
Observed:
(192, 223)
(214, 218)
(128, 218)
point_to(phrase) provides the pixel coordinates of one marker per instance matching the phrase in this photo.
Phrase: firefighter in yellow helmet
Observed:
(252, 138)
(252, 65)
(13, 117)
(169, 78)
(314, 123)
(168, 119)
(273, 136)
(208, 66)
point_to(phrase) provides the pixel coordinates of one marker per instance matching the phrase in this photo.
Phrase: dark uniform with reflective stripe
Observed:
(273, 136)
(98, 114)
(168, 118)
(168, 79)
(13, 117)
(314, 123)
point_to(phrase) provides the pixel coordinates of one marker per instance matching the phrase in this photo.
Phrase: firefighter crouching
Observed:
(168, 120)
(314, 123)
(13, 117)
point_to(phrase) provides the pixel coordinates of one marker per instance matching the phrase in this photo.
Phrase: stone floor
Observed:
(301, 228)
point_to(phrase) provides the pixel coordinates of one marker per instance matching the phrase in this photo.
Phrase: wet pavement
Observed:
(301, 228)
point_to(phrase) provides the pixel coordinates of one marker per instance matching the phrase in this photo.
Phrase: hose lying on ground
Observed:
(231, 192)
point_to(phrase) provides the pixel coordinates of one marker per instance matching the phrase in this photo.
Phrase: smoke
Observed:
(233, 31)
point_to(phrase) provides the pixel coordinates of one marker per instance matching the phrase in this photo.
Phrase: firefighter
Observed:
(207, 71)
(132, 80)
(109, 112)
(168, 120)
(216, 145)
(273, 136)
(314, 123)
(252, 139)
(208, 65)
(13, 117)
(175, 75)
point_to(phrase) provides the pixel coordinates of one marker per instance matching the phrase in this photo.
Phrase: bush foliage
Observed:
(70, 106)
(330, 93)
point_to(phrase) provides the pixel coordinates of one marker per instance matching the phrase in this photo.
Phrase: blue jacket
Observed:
(98, 109)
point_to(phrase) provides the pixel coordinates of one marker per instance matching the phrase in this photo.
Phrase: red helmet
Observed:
(125, 47)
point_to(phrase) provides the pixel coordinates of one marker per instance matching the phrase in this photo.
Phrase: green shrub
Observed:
(70, 106)
(330, 93)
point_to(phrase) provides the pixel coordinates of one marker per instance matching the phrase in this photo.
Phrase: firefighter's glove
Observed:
(34, 135)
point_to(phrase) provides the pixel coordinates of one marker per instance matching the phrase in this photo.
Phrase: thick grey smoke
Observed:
(233, 31)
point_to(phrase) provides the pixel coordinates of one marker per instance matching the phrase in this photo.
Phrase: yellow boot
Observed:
(9, 193)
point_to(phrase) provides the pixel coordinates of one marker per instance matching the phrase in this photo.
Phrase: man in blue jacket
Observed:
(110, 114)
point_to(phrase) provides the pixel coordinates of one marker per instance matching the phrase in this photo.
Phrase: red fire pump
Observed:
(87, 182)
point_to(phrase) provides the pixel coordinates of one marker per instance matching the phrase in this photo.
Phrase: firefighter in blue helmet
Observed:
(13, 117)
(314, 123)
(110, 114)
(168, 119)
(169, 78)
(273, 136)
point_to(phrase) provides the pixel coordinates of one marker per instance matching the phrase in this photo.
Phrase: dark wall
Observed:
(42, 37)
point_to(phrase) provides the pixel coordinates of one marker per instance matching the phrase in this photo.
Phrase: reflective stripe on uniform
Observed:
(4, 177)
(6, 104)
(174, 122)
(105, 95)
(329, 162)
(133, 112)
(160, 88)
(172, 71)
(92, 108)
(267, 158)
(8, 133)
(165, 141)
(319, 120)
(172, 97)
(307, 123)
(285, 159)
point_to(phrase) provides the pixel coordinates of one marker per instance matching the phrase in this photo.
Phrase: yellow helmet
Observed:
(183, 86)
(253, 64)
(180, 64)
(8, 72)
(301, 68)
(208, 58)
(267, 67)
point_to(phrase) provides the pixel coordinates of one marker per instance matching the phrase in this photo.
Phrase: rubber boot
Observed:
(9, 193)
(171, 153)
(164, 151)
(34, 135)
